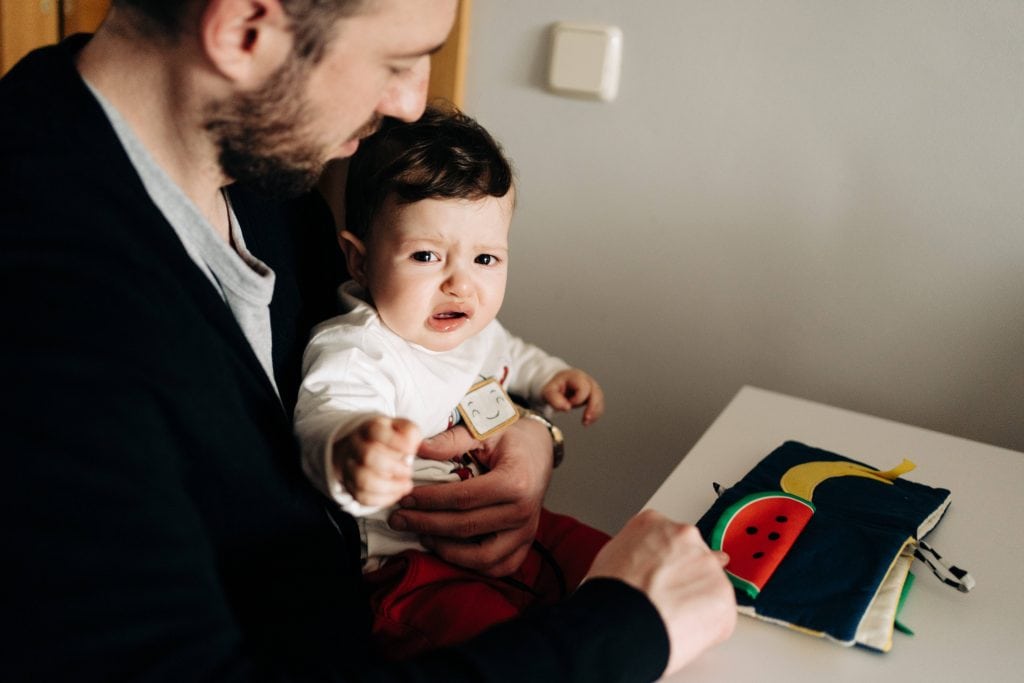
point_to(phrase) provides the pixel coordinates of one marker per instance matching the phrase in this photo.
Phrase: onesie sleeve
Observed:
(342, 386)
(532, 367)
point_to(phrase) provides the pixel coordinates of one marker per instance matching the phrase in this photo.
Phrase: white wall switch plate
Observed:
(586, 60)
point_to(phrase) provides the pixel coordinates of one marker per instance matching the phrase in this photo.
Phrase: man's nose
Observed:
(406, 96)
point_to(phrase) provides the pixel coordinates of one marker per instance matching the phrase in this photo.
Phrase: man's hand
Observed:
(375, 460)
(571, 388)
(683, 578)
(486, 523)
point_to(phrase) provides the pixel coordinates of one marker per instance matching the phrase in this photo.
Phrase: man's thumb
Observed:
(448, 444)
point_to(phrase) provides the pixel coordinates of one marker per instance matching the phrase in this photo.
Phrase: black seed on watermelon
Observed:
(752, 559)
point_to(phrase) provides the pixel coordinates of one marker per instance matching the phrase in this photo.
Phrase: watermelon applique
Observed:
(756, 532)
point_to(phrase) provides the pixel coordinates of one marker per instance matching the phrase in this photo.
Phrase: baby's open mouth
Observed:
(449, 320)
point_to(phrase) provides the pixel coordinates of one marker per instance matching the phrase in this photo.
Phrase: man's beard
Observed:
(259, 135)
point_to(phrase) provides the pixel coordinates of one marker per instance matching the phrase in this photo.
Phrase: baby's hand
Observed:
(571, 388)
(375, 460)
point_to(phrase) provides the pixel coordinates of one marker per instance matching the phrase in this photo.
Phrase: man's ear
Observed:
(245, 40)
(355, 256)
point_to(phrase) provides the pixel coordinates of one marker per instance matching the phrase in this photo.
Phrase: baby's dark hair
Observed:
(443, 155)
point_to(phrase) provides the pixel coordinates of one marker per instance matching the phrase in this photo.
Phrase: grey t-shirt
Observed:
(244, 282)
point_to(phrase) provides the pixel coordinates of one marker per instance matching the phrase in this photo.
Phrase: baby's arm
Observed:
(374, 461)
(539, 375)
(344, 389)
(572, 388)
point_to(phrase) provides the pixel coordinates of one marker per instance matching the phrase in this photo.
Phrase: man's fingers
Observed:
(681, 576)
(448, 444)
(492, 489)
(487, 522)
(458, 525)
(491, 554)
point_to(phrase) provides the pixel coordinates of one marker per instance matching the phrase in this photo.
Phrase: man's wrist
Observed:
(557, 439)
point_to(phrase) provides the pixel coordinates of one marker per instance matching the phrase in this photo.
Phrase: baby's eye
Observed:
(486, 259)
(425, 256)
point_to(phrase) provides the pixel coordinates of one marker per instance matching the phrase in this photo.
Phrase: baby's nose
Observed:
(458, 285)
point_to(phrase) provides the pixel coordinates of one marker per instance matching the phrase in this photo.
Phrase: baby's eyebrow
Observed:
(420, 240)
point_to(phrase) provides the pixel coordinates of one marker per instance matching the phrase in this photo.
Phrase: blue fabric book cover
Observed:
(822, 542)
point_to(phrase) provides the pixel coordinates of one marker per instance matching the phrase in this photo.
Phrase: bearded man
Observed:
(156, 521)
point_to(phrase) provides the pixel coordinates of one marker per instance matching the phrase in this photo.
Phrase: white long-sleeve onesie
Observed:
(355, 368)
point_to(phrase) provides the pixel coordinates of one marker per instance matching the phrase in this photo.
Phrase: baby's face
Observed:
(436, 268)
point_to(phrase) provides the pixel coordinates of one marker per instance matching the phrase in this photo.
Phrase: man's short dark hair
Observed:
(443, 155)
(312, 20)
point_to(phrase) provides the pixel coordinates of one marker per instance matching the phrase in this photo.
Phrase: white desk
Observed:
(976, 637)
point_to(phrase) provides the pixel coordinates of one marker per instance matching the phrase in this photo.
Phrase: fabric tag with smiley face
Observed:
(487, 409)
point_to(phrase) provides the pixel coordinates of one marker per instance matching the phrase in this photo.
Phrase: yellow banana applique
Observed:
(802, 479)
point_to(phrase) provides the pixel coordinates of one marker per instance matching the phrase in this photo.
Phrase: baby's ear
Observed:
(355, 256)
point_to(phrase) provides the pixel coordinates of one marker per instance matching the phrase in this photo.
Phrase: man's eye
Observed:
(425, 256)
(400, 69)
(487, 259)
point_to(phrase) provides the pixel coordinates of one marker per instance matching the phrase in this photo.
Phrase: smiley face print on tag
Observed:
(487, 409)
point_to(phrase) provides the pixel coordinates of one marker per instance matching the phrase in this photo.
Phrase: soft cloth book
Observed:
(824, 543)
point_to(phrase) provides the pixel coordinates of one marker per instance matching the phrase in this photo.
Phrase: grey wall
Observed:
(824, 198)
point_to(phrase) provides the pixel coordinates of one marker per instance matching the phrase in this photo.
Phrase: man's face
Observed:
(279, 137)
(436, 268)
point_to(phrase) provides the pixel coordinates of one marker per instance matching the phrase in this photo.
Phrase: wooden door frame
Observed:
(448, 65)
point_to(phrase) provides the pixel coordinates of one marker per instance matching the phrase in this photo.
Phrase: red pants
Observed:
(420, 602)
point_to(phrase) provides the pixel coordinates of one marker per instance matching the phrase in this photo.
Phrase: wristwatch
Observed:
(557, 440)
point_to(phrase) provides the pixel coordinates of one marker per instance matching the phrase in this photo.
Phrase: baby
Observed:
(418, 349)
